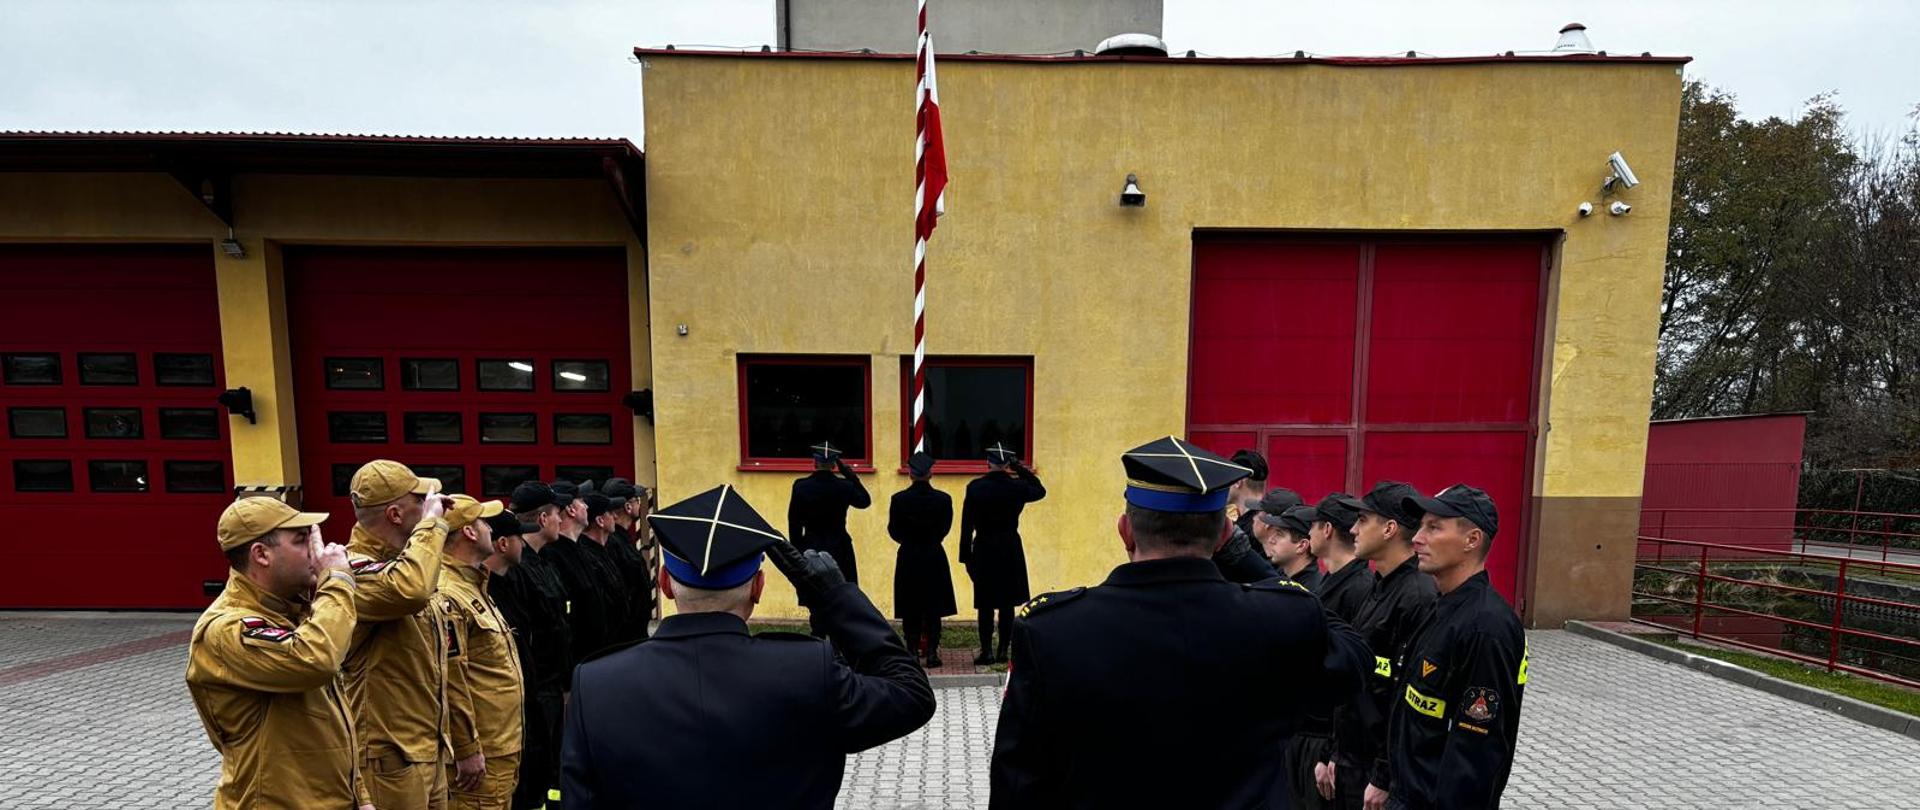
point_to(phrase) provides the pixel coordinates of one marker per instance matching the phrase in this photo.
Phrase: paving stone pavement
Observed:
(1602, 728)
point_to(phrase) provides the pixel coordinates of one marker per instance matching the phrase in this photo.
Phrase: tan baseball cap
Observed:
(380, 482)
(250, 519)
(465, 510)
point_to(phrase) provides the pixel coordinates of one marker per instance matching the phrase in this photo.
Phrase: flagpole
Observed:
(923, 52)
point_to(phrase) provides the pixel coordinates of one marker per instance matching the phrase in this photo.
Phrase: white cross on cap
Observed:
(713, 525)
(1192, 460)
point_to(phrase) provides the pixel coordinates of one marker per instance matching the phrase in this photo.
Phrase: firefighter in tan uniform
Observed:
(483, 665)
(263, 661)
(395, 672)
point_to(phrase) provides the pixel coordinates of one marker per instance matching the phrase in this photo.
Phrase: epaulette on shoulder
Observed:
(611, 649)
(1278, 585)
(1048, 601)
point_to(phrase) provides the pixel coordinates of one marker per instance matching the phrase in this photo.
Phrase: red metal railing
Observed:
(1811, 607)
(1885, 537)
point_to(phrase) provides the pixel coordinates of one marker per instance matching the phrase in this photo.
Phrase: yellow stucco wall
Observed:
(274, 210)
(780, 190)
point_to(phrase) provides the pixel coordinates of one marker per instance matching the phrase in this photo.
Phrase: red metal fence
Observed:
(1885, 537)
(1849, 615)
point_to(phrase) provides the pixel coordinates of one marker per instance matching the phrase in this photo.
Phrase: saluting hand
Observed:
(434, 506)
(812, 573)
(330, 557)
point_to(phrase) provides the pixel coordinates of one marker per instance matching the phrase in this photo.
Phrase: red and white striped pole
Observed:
(930, 183)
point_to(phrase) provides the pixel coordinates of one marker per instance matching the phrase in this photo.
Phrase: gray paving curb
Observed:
(967, 681)
(1882, 718)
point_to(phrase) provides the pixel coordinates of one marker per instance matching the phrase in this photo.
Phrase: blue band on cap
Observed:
(716, 580)
(1177, 501)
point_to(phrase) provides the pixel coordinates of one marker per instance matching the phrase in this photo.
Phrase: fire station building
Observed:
(1365, 268)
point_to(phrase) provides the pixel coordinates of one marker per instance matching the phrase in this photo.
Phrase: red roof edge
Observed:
(335, 139)
(1342, 61)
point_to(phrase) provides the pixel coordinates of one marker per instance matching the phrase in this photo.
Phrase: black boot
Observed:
(933, 643)
(1006, 632)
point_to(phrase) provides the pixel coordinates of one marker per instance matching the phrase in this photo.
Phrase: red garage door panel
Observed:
(1453, 333)
(1273, 334)
(1224, 442)
(481, 367)
(1310, 465)
(114, 447)
(1406, 359)
(1495, 462)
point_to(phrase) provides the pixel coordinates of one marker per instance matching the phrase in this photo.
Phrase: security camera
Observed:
(1586, 209)
(1622, 173)
(1619, 209)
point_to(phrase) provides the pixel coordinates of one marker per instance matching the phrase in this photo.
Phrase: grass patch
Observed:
(1887, 695)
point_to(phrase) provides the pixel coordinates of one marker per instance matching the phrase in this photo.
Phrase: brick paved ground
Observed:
(1602, 728)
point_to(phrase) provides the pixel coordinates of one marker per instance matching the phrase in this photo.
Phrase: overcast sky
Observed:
(561, 67)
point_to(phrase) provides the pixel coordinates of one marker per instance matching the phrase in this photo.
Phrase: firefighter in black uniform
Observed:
(1115, 697)
(588, 524)
(536, 604)
(1283, 534)
(1402, 596)
(634, 571)
(1465, 671)
(918, 519)
(603, 545)
(1347, 582)
(817, 512)
(990, 545)
(704, 715)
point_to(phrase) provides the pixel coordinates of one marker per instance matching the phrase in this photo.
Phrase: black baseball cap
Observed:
(564, 493)
(1278, 500)
(506, 525)
(1386, 499)
(531, 495)
(1298, 518)
(1340, 509)
(597, 505)
(1461, 501)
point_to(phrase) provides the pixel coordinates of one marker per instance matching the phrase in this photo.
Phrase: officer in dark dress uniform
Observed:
(918, 519)
(990, 544)
(1119, 695)
(536, 604)
(704, 715)
(634, 571)
(817, 513)
(1402, 596)
(1465, 671)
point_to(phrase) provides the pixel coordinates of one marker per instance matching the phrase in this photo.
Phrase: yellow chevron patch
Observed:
(1426, 667)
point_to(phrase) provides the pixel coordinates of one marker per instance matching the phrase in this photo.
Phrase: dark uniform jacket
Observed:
(1461, 680)
(704, 715)
(1399, 603)
(1345, 590)
(990, 545)
(817, 516)
(639, 580)
(1309, 577)
(620, 595)
(1240, 560)
(1129, 694)
(918, 519)
(592, 607)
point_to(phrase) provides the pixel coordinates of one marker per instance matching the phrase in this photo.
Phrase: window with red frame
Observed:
(789, 403)
(972, 404)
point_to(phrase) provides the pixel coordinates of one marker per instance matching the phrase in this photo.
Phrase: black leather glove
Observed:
(841, 465)
(812, 573)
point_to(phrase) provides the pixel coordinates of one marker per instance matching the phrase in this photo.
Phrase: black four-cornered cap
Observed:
(713, 540)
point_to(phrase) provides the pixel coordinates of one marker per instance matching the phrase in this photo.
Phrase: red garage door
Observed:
(115, 457)
(480, 367)
(1350, 362)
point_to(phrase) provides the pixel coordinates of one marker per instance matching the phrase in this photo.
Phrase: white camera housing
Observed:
(1586, 209)
(1619, 209)
(1622, 173)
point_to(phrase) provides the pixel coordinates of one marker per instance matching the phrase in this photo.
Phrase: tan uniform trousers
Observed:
(396, 784)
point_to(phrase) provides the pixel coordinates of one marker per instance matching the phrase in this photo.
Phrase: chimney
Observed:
(1573, 39)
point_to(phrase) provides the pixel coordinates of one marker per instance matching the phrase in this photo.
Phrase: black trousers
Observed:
(986, 630)
(540, 751)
